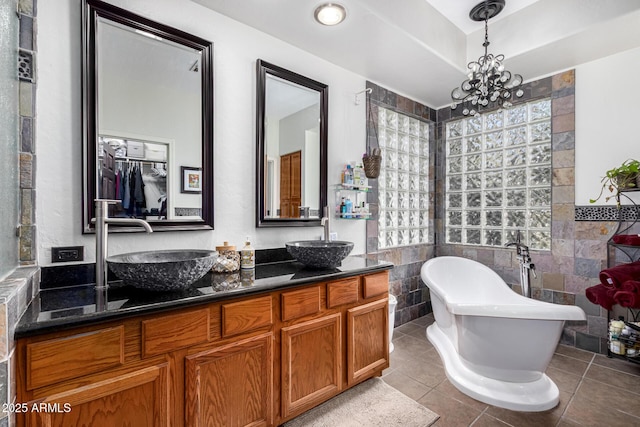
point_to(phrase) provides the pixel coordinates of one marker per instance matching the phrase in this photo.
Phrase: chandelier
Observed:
(487, 80)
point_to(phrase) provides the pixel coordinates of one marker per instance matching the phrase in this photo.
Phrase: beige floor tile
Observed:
(406, 385)
(628, 382)
(411, 344)
(617, 364)
(576, 353)
(407, 328)
(420, 334)
(569, 364)
(426, 373)
(597, 404)
(424, 321)
(489, 421)
(448, 389)
(432, 356)
(565, 381)
(565, 422)
(608, 398)
(452, 412)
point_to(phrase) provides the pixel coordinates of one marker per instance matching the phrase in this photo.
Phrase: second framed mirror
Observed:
(291, 130)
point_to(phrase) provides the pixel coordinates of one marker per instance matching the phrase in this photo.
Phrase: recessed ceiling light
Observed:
(330, 14)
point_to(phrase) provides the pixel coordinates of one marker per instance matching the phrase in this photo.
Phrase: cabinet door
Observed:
(231, 385)
(367, 340)
(311, 363)
(139, 398)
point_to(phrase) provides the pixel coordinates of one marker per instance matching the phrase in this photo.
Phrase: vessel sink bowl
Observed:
(318, 253)
(162, 270)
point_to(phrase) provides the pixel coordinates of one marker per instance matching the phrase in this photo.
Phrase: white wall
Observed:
(236, 49)
(607, 125)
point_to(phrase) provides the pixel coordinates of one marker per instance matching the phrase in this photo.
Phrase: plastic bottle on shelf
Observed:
(349, 207)
(348, 176)
(357, 172)
(360, 180)
(343, 209)
(247, 256)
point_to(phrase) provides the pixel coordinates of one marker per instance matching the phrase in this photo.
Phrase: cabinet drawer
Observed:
(300, 303)
(244, 316)
(174, 331)
(342, 292)
(74, 356)
(375, 284)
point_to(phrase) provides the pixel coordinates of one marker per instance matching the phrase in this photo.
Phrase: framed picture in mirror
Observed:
(191, 180)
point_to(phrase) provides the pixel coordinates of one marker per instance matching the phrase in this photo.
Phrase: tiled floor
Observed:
(594, 389)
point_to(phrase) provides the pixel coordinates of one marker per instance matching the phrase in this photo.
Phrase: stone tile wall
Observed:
(27, 90)
(405, 283)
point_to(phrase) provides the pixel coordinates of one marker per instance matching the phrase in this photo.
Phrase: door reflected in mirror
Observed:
(291, 144)
(148, 113)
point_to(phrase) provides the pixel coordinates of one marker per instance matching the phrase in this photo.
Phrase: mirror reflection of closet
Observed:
(136, 173)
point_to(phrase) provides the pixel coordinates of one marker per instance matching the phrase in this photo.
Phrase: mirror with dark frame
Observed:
(291, 158)
(147, 120)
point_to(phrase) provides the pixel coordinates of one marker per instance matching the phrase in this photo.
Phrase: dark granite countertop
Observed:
(79, 305)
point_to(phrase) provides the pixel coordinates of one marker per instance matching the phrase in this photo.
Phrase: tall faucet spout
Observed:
(325, 224)
(102, 222)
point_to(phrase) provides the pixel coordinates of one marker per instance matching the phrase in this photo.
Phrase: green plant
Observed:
(618, 179)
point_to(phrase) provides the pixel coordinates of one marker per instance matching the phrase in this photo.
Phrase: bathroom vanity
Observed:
(230, 350)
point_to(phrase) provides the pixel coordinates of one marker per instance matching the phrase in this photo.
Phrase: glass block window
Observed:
(403, 184)
(498, 177)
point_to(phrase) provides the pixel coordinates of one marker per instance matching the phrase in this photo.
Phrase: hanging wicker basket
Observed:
(372, 164)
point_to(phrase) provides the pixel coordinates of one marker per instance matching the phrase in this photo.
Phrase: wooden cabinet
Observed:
(139, 398)
(367, 340)
(231, 385)
(311, 363)
(257, 360)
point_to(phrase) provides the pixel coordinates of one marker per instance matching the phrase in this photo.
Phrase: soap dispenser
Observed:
(247, 256)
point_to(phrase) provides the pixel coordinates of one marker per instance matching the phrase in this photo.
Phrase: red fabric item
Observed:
(631, 286)
(627, 239)
(629, 294)
(615, 276)
(627, 299)
(601, 295)
(619, 239)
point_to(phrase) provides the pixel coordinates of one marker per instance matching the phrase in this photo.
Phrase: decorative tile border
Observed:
(606, 213)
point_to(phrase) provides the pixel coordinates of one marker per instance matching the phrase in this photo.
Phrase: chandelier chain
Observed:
(488, 82)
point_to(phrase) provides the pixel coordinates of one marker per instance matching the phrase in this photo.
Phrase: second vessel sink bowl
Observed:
(162, 270)
(318, 253)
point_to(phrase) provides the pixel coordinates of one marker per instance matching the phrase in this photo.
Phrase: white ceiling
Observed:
(457, 11)
(420, 48)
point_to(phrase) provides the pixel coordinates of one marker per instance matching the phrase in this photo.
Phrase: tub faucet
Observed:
(102, 222)
(526, 266)
(325, 224)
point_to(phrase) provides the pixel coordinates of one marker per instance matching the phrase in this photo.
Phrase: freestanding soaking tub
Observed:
(494, 343)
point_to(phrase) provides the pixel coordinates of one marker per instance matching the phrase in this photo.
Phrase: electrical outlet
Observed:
(67, 254)
(333, 236)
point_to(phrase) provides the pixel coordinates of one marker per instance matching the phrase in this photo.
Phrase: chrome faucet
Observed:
(102, 222)
(325, 224)
(526, 266)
